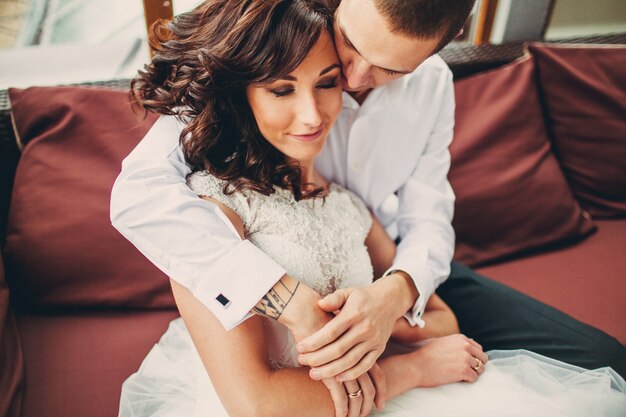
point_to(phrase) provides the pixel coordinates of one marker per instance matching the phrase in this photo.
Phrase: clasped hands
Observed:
(342, 336)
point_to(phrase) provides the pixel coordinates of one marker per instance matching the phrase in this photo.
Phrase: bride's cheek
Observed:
(334, 105)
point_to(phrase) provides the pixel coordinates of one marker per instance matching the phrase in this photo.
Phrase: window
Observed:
(51, 42)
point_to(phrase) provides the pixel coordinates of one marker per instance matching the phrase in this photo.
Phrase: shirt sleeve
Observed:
(188, 238)
(426, 208)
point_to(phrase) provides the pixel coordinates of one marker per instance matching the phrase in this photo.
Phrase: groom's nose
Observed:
(357, 73)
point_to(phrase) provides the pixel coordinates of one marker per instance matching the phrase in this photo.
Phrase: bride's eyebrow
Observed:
(322, 72)
(329, 69)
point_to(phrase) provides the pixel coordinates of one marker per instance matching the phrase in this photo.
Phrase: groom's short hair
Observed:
(426, 19)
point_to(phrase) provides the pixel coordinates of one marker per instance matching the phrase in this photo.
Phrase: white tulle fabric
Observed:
(321, 242)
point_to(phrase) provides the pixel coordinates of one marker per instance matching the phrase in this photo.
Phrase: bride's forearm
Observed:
(398, 375)
(291, 392)
(274, 303)
(295, 306)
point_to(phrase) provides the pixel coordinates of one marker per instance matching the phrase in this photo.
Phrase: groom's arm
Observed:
(425, 210)
(195, 243)
(288, 302)
(188, 238)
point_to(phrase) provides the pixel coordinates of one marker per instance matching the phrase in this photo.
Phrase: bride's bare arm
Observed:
(295, 306)
(237, 363)
(380, 248)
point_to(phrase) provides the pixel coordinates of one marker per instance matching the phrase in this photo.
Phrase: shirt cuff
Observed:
(247, 274)
(414, 316)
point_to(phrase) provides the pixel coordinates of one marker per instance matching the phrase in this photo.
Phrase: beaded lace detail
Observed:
(319, 242)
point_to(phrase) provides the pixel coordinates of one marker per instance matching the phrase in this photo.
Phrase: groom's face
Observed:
(371, 54)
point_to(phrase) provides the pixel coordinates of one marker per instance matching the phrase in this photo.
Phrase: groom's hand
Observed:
(349, 345)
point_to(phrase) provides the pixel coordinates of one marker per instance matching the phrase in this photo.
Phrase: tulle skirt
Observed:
(172, 382)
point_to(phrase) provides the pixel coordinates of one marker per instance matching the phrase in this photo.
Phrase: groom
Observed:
(376, 64)
(390, 146)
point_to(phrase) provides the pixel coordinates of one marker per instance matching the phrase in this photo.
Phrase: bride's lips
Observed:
(308, 137)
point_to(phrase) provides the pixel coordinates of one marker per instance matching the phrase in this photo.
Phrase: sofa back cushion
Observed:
(511, 194)
(11, 356)
(61, 249)
(584, 87)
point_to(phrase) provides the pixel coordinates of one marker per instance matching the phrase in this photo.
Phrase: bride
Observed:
(258, 87)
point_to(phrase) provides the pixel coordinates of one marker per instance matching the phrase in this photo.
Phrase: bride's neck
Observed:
(309, 175)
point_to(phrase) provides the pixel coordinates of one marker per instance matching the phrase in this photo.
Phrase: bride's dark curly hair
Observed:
(203, 62)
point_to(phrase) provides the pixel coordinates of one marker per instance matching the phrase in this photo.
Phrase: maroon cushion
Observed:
(585, 94)
(61, 249)
(585, 280)
(511, 193)
(11, 357)
(75, 364)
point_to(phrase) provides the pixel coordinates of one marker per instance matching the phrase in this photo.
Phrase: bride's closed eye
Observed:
(325, 84)
(281, 92)
(329, 83)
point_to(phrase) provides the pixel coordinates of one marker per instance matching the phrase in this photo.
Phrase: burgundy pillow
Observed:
(511, 193)
(61, 249)
(584, 88)
(11, 356)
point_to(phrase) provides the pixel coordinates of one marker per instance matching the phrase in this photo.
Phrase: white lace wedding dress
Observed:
(321, 243)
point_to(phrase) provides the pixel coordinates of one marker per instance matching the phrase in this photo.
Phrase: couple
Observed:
(257, 88)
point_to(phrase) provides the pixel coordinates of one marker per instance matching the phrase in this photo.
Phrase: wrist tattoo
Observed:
(274, 302)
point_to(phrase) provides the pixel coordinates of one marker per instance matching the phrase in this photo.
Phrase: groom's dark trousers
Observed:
(499, 317)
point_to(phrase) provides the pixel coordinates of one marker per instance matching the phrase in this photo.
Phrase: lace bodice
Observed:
(319, 242)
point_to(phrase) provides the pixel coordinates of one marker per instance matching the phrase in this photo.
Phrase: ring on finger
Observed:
(356, 394)
(479, 363)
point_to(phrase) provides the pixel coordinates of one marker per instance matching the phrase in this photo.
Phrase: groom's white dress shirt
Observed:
(392, 151)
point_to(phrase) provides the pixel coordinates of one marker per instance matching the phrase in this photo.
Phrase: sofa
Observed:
(537, 166)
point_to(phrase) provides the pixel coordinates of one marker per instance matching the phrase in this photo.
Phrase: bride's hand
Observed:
(449, 359)
(356, 398)
(345, 406)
